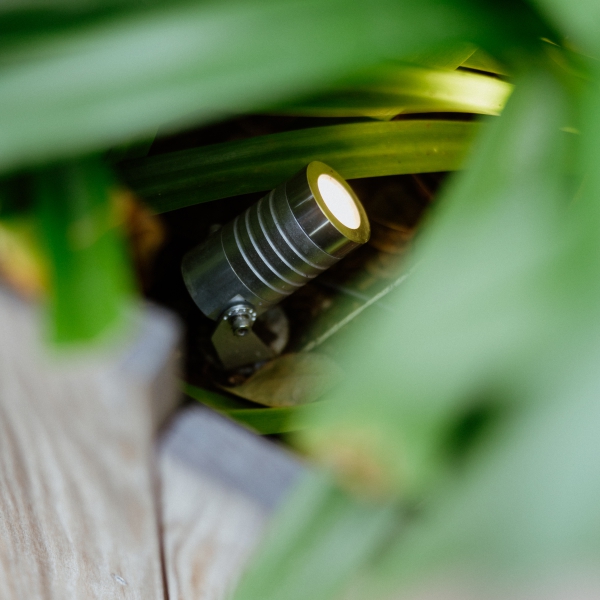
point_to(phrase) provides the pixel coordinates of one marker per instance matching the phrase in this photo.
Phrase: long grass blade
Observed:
(262, 420)
(116, 76)
(400, 89)
(179, 179)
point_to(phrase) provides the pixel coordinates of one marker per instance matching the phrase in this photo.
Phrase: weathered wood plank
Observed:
(219, 484)
(78, 518)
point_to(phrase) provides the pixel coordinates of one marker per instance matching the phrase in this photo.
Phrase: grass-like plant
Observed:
(464, 443)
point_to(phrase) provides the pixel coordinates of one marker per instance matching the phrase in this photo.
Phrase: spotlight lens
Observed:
(339, 201)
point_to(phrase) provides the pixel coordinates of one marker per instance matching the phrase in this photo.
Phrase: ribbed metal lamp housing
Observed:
(275, 247)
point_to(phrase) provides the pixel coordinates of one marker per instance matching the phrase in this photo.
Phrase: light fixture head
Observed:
(339, 201)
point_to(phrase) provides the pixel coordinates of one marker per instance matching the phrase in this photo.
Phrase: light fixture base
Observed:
(234, 340)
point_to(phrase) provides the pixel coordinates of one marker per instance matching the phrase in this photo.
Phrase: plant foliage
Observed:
(473, 412)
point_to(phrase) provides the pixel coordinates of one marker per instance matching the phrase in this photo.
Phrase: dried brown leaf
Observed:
(291, 380)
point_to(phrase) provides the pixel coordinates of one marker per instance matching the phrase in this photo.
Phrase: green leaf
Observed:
(471, 301)
(316, 544)
(481, 61)
(494, 321)
(117, 75)
(262, 420)
(445, 56)
(578, 20)
(212, 399)
(178, 179)
(400, 89)
(78, 221)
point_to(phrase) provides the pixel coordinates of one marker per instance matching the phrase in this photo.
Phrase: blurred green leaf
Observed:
(399, 89)
(118, 75)
(446, 56)
(498, 325)
(473, 293)
(79, 225)
(176, 179)
(481, 61)
(578, 20)
(483, 327)
(212, 399)
(262, 420)
(316, 545)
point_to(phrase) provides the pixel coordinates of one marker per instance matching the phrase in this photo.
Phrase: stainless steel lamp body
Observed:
(265, 254)
(275, 247)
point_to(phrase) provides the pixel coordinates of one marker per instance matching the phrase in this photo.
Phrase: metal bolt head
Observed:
(241, 317)
(241, 325)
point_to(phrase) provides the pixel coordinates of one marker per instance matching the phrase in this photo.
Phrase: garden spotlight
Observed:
(297, 231)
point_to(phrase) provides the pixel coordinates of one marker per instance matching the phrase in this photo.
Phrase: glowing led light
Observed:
(339, 201)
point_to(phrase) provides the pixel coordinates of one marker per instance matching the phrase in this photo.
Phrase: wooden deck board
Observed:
(219, 485)
(78, 518)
